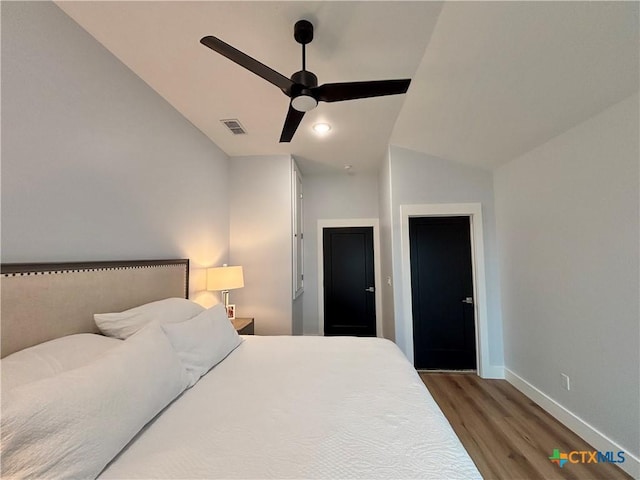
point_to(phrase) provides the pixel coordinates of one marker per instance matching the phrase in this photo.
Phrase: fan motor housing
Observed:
(306, 78)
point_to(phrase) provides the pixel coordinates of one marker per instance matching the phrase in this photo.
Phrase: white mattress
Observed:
(301, 407)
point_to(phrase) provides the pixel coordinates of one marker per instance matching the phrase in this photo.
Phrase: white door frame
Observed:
(474, 212)
(351, 222)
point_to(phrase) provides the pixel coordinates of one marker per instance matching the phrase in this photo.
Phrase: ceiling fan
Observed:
(303, 87)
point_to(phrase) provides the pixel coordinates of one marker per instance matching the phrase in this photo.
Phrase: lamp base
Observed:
(225, 298)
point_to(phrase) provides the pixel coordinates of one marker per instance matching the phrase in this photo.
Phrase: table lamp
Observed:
(223, 279)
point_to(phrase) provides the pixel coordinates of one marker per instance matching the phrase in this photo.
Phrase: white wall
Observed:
(297, 319)
(568, 230)
(386, 245)
(331, 196)
(261, 240)
(95, 164)
(418, 178)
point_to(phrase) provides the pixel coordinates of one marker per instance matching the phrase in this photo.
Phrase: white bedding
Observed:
(301, 407)
(71, 425)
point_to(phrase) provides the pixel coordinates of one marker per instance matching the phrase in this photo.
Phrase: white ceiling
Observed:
(500, 78)
(491, 80)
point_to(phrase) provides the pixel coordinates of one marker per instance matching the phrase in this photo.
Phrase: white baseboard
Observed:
(493, 372)
(587, 432)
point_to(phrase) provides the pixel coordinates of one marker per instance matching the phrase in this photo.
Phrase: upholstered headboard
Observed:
(41, 302)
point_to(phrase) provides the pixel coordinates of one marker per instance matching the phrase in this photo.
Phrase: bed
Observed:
(271, 407)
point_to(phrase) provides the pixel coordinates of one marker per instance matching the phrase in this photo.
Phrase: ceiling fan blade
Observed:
(337, 92)
(294, 117)
(249, 63)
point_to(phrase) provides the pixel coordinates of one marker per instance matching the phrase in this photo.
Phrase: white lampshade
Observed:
(224, 278)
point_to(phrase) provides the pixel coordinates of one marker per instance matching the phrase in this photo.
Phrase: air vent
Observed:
(234, 125)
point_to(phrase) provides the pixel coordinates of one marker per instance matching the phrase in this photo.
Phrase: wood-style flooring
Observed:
(507, 435)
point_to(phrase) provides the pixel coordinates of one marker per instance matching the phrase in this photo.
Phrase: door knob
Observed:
(370, 289)
(468, 300)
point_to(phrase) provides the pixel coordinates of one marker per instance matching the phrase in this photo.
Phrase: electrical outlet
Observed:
(566, 382)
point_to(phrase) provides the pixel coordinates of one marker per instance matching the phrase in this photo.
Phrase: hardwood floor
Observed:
(507, 435)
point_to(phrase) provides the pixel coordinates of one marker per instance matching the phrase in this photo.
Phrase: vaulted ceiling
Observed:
(491, 80)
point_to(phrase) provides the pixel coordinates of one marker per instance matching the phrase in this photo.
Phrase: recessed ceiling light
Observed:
(321, 127)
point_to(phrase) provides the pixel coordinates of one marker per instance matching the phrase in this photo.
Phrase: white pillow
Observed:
(53, 357)
(73, 424)
(203, 341)
(124, 324)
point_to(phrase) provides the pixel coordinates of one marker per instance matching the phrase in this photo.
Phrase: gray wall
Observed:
(95, 164)
(568, 230)
(418, 178)
(331, 196)
(261, 234)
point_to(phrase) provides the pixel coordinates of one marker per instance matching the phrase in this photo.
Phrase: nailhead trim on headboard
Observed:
(21, 269)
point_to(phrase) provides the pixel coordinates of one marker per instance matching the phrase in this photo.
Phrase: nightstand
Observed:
(244, 326)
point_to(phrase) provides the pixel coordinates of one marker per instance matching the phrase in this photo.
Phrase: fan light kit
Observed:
(304, 103)
(321, 127)
(303, 87)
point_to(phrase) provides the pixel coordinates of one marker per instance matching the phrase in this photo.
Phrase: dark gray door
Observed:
(349, 289)
(442, 293)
